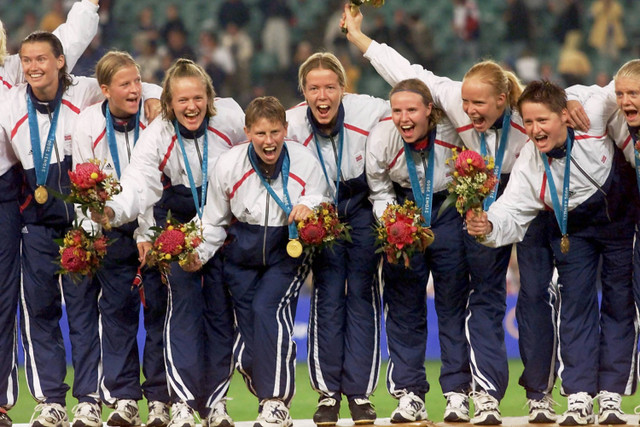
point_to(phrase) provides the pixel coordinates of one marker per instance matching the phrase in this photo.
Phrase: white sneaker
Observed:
(541, 411)
(158, 414)
(579, 410)
(273, 413)
(51, 415)
(410, 408)
(125, 414)
(457, 410)
(486, 411)
(87, 414)
(609, 408)
(181, 415)
(218, 417)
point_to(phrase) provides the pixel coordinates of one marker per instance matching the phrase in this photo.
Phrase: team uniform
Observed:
(198, 370)
(344, 321)
(75, 35)
(263, 279)
(41, 301)
(405, 288)
(119, 300)
(488, 266)
(600, 224)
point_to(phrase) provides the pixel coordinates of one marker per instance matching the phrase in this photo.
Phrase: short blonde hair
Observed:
(110, 63)
(183, 68)
(630, 69)
(323, 61)
(265, 107)
(3, 44)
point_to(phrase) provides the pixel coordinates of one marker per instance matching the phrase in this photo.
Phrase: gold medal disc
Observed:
(564, 244)
(41, 194)
(294, 248)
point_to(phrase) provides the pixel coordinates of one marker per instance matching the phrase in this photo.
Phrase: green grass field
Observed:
(243, 405)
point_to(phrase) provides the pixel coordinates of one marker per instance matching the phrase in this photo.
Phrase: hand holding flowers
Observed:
(322, 228)
(81, 253)
(91, 188)
(401, 233)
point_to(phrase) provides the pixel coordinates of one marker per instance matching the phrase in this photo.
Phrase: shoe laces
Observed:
(47, 410)
(579, 401)
(181, 410)
(86, 409)
(275, 409)
(220, 408)
(327, 401)
(128, 406)
(158, 408)
(483, 401)
(362, 401)
(546, 402)
(456, 400)
(410, 400)
(609, 400)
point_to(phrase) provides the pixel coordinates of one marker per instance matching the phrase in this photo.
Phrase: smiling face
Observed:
(410, 115)
(41, 68)
(124, 92)
(547, 129)
(628, 99)
(481, 104)
(267, 137)
(323, 94)
(189, 101)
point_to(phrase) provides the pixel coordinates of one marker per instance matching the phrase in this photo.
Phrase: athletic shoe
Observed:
(273, 413)
(457, 410)
(328, 411)
(51, 415)
(158, 414)
(410, 408)
(579, 410)
(125, 414)
(181, 415)
(362, 411)
(219, 416)
(486, 411)
(87, 414)
(541, 411)
(5, 420)
(609, 405)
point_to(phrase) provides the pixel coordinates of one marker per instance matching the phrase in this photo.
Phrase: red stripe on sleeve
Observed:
(168, 154)
(356, 129)
(99, 138)
(221, 135)
(395, 159)
(71, 106)
(17, 126)
(239, 183)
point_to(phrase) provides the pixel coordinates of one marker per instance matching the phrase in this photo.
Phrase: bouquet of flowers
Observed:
(91, 187)
(81, 253)
(473, 180)
(323, 228)
(400, 232)
(173, 242)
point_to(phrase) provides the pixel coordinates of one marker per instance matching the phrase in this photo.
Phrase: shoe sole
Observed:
(364, 422)
(403, 420)
(157, 424)
(117, 421)
(612, 419)
(570, 421)
(542, 419)
(491, 420)
(454, 417)
(326, 423)
(60, 424)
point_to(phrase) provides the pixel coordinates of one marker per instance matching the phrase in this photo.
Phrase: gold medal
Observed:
(41, 194)
(564, 243)
(294, 248)
(429, 237)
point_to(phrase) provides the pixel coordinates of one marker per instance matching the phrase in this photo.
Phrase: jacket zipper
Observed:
(606, 203)
(266, 223)
(55, 147)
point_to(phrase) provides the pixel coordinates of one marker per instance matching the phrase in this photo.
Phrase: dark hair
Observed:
(544, 92)
(185, 68)
(56, 48)
(265, 107)
(420, 88)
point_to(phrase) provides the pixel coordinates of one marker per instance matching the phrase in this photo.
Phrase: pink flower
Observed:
(74, 259)
(467, 160)
(313, 233)
(399, 232)
(170, 242)
(86, 175)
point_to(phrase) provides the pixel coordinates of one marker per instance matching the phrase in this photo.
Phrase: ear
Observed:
(501, 99)
(286, 129)
(248, 133)
(60, 61)
(564, 116)
(105, 91)
(429, 109)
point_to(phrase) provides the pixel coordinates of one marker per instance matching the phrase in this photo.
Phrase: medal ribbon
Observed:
(423, 199)
(502, 146)
(324, 169)
(561, 213)
(285, 205)
(111, 137)
(636, 154)
(40, 159)
(192, 184)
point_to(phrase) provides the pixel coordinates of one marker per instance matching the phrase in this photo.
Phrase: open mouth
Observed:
(631, 114)
(407, 131)
(323, 110)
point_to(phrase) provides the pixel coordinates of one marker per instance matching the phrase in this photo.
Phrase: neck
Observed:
(46, 94)
(561, 142)
(119, 114)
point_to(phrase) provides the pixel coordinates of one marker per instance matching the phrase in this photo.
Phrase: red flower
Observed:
(313, 233)
(100, 245)
(468, 159)
(399, 232)
(171, 242)
(74, 259)
(86, 175)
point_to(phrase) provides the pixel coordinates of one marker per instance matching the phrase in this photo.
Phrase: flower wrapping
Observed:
(175, 242)
(91, 187)
(473, 180)
(322, 228)
(81, 253)
(400, 233)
